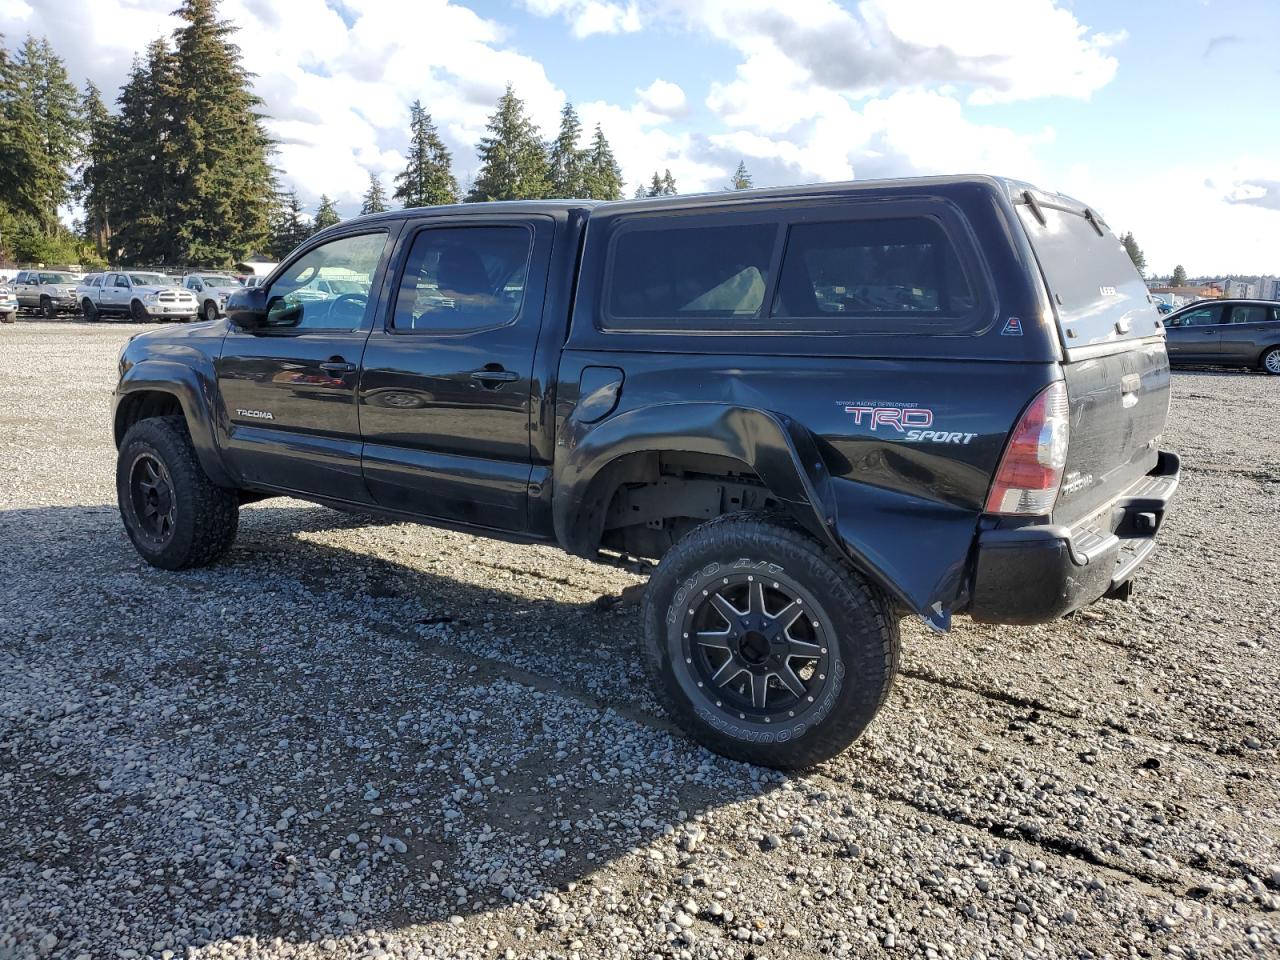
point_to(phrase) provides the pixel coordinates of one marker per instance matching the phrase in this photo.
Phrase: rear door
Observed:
(1115, 363)
(446, 391)
(1247, 328)
(289, 389)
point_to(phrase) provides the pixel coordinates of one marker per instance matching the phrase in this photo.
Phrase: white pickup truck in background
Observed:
(137, 295)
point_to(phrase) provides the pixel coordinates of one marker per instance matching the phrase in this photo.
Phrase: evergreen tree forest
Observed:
(177, 168)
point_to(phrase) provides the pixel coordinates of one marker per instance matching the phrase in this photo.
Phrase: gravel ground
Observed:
(356, 738)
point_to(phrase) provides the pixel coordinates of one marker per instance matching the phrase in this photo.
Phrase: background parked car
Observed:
(211, 290)
(139, 295)
(1234, 333)
(49, 291)
(8, 304)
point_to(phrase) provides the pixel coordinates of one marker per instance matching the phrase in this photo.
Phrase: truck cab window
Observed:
(463, 278)
(327, 288)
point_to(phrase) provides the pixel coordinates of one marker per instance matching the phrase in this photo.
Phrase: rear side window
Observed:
(1249, 313)
(458, 279)
(882, 268)
(700, 277)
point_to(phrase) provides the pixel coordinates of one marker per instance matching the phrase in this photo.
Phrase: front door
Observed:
(289, 388)
(1194, 334)
(1248, 328)
(446, 389)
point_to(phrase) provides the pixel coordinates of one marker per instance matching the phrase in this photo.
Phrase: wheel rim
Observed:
(756, 647)
(210, 311)
(1272, 361)
(152, 495)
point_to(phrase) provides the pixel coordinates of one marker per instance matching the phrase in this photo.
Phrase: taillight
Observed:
(1031, 468)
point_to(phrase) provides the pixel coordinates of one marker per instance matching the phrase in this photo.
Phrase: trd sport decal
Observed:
(901, 421)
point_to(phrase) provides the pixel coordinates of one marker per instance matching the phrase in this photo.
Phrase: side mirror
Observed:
(247, 308)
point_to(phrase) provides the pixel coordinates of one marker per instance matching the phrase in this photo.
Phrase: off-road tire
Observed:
(210, 310)
(1270, 362)
(89, 309)
(47, 309)
(137, 312)
(206, 515)
(860, 628)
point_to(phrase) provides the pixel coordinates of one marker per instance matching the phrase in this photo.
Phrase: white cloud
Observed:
(1191, 216)
(664, 97)
(590, 16)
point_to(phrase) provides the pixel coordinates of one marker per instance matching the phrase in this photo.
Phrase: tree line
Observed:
(181, 173)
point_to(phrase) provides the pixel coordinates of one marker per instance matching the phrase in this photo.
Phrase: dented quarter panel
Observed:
(905, 510)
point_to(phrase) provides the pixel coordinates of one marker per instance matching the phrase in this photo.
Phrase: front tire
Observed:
(47, 309)
(138, 312)
(89, 309)
(210, 310)
(764, 645)
(1271, 361)
(175, 515)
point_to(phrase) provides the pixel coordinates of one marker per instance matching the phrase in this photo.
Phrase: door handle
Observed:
(337, 366)
(495, 378)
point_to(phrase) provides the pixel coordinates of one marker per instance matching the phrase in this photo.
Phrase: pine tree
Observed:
(47, 98)
(641, 191)
(216, 141)
(98, 171)
(326, 215)
(1135, 253)
(741, 179)
(288, 228)
(566, 161)
(142, 204)
(375, 198)
(428, 178)
(668, 184)
(655, 186)
(20, 195)
(1179, 277)
(603, 176)
(513, 159)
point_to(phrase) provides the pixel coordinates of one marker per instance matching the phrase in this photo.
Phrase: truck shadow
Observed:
(312, 739)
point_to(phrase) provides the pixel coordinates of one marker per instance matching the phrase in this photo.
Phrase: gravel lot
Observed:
(357, 738)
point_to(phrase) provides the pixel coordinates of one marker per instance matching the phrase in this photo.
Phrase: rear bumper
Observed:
(1040, 573)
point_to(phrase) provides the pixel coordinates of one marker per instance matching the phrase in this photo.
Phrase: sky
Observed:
(1162, 115)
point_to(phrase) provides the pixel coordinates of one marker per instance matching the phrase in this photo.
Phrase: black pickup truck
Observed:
(818, 409)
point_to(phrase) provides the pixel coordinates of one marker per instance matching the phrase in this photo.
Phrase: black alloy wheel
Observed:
(766, 645)
(154, 501)
(752, 646)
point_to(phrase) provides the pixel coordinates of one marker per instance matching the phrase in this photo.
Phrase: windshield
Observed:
(57, 278)
(216, 281)
(150, 280)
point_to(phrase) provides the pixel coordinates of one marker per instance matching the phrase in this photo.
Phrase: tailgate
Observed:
(1115, 364)
(1119, 404)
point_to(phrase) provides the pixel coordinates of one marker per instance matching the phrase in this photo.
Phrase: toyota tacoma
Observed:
(815, 411)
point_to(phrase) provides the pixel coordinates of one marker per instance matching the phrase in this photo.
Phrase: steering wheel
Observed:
(359, 298)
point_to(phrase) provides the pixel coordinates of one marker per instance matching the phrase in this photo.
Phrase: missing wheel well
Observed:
(660, 497)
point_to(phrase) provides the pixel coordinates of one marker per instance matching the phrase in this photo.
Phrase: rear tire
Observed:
(138, 312)
(726, 688)
(47, 309)
(1271, 361)
(175, 515)
(89, 309)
